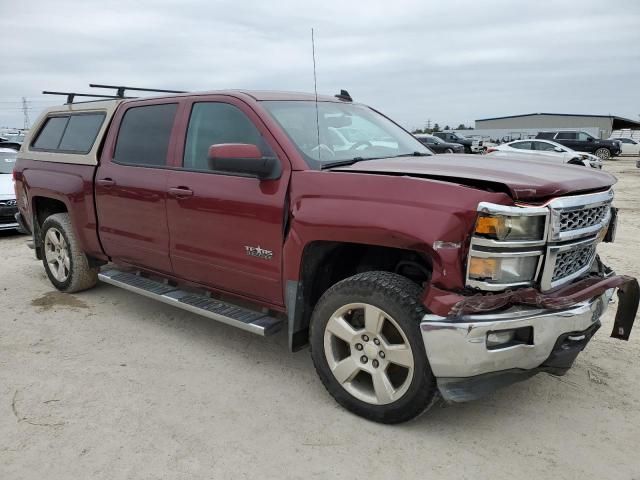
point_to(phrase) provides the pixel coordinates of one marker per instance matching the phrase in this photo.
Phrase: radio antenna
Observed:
(315, 88)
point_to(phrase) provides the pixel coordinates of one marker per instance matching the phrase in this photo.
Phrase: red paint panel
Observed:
(234, 150)
(132, 215)
(399, 212)
(210, 229)
(71, 185)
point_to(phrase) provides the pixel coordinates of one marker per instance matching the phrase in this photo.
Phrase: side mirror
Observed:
(558, 149)
(243, 159)
(589, 139)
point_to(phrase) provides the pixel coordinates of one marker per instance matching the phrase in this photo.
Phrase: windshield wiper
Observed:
(343, 163)
(346, 163)
(413, 154)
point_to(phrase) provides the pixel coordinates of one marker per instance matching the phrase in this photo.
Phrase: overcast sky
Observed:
(448, 61)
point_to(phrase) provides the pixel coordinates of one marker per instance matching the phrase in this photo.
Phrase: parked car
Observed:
(8, 208)
(484, 142)
(438, 145)
(409, 274)
(549, 149)
(470, 146)
(583, 142)
(628, 146)
(7, 143)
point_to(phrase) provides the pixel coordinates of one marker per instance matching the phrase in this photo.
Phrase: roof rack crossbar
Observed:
(71, 95)
(121, 89)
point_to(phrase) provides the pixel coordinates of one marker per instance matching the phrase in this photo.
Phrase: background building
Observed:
(598, 125)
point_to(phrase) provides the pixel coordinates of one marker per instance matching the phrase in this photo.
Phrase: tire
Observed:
(66, 265)
(394, 386)
(467, 149)
(448, 150)
(603, 153)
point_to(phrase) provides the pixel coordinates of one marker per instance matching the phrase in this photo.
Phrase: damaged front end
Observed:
(536, 290)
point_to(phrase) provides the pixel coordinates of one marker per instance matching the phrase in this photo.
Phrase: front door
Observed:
(226, 231)
(131, 187)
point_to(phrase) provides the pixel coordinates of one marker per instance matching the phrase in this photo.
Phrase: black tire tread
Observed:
(83, 276)
(405, 294)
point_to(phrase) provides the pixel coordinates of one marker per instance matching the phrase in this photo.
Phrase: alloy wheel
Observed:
(368, 353)
(57, 254)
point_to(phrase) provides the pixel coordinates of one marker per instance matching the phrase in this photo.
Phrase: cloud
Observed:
(450, 62)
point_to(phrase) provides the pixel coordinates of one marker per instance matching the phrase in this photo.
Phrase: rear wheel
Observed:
(603, 153)
(367, 347)
(66, 265)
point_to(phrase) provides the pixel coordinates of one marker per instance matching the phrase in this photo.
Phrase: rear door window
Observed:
(521, 145)
(546, 135)
(144, 135)
(543, 146)
(566, 135)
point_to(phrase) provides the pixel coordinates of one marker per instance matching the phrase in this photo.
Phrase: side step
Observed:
(245, 319)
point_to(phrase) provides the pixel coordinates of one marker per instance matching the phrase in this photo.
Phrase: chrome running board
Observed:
(240, 317)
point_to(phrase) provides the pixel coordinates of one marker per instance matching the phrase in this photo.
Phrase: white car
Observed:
(548, 149)
(628, 146)
(8, 207)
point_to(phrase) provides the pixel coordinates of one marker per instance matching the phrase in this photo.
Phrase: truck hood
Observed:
(530, 179)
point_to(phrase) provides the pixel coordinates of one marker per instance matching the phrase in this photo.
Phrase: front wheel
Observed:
(448, 150)
(367, 348)
(66, 265)
(603, 153)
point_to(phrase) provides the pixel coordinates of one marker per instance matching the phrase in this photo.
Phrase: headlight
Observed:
(510, 228)
(504, 270)
(507, 246)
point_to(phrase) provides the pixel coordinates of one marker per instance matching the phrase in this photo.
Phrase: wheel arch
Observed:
(325, 263)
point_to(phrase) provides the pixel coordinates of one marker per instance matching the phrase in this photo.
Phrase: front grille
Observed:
(577, 219)
(572, 261)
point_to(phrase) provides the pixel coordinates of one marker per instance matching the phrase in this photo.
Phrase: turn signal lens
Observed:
(493, 226)
(511, 228)
(504, 270)
(483, 268)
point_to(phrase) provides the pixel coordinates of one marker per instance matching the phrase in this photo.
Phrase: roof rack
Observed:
(71, 95)
(121, 89)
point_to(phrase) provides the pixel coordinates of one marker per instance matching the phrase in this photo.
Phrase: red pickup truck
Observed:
(410, 276)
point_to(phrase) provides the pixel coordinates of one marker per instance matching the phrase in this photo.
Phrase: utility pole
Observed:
(25, 111)
(429, 125)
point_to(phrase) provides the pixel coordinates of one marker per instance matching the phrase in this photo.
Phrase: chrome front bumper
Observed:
(457, 347)
(9, 226)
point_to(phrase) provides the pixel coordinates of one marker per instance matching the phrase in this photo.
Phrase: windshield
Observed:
(7, 161)
(342, 132)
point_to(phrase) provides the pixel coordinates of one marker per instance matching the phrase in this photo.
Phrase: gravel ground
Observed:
(109, 385)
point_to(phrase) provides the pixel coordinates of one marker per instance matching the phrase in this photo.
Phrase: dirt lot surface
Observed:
(109, 385)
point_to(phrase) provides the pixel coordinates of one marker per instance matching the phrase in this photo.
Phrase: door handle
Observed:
(106, 182)
(180, 192)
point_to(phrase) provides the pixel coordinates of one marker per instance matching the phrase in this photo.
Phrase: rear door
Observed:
(131, 185)
(226, 230)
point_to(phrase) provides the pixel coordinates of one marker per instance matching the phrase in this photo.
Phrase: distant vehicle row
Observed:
(583, 142)
(548, 150)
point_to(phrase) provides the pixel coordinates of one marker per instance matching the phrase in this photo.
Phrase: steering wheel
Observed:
(323, 147)
(359, 144)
